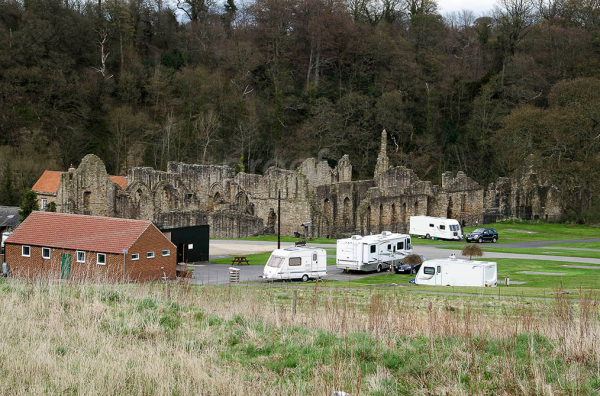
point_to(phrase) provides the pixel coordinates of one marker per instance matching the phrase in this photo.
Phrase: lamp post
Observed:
(279, 219)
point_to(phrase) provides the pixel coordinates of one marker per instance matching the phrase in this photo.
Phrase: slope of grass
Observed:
(71, 339)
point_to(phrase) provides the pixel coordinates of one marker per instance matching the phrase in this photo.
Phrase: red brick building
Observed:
(78, 247)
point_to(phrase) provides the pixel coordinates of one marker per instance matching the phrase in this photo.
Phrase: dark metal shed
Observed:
(192, 242)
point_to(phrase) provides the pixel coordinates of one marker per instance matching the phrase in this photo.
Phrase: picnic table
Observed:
(241, 260)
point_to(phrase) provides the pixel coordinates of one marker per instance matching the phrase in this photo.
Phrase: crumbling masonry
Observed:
(242, 204)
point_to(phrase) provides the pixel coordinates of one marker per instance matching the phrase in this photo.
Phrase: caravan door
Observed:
(438, 275)
(314, 263)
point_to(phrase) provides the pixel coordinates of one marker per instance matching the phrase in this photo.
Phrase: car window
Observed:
(479, 230)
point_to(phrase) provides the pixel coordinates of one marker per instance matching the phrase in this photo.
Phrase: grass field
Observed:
(574, 281)
(260, 259)
(72, 339)
(273, 238)
(584, 245)
(509, 231)
(539, 251)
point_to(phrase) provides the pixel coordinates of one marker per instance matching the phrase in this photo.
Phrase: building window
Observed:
(45, 253)
(166, 252)
(295, 261)
(101, 259)
(44, 204)
(80, 256)
(150, 255)
(135, 256)
(25, 251)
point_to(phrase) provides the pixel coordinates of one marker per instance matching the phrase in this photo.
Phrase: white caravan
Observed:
(455, 272)
(435, 227)
(372, 252)
(296, 263)
(5, 236)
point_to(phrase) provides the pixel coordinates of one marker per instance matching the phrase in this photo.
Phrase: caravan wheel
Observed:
(427, 236)
(304, 278)
(378, 267)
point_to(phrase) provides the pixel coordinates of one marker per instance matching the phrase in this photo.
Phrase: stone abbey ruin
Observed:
(242, 204)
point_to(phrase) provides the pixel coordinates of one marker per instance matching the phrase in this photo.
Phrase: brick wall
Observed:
(152, 240)
(144, 269)
(37, 267)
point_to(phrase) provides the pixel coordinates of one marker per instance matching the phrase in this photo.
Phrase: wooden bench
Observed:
(241, 260)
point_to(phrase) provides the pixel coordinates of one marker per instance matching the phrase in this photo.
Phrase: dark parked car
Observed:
(401, 268)
(482, 235)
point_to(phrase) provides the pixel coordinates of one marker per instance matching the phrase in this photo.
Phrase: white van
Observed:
(373, 252)
(455, 272)
(296, 263)
(435, 227)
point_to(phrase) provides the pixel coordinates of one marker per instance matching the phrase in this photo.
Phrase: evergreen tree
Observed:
(7, 194)
(28, 204)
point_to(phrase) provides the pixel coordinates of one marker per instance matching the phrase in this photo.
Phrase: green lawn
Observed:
(273, 238)
(528, 231)
(540, 251)
(590, 245)
(258, 259)
(537, 285)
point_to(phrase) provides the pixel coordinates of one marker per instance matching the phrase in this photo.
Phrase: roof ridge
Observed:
(90, 216)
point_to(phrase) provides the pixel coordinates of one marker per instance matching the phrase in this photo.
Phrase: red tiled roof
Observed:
(120, 180)
(78, 232)
(48, 182)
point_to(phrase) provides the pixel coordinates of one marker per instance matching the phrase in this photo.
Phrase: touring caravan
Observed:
(296, 263)
(372, 252)
(435, 227)
(455, 272)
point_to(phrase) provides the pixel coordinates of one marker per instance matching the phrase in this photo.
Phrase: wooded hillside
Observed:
(273, 81)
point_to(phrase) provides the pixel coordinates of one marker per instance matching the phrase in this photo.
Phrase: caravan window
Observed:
(430, 225)
(408, 245)
(389, 247)
(295, 261)
(373, 248)
(442, 227)
(439, 269)
(275, 261)
(401, 245)
(315, 257)
(429, 271)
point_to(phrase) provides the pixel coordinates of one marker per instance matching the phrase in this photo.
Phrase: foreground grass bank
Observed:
(146, 339)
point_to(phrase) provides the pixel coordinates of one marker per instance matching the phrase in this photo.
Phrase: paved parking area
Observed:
(218, 274)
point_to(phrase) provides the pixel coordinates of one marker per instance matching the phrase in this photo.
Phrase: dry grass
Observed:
(60, 338)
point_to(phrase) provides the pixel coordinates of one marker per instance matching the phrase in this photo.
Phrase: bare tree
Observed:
(514, 19)
(103, 56)
(206, 129)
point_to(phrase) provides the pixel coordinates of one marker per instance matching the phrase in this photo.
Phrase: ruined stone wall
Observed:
(239, 205)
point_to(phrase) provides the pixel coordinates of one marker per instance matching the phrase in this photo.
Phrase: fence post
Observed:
(295, 299)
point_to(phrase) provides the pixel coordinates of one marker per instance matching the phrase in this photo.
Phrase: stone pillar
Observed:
(382, 159)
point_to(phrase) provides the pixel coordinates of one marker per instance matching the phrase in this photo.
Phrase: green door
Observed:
(65, 266)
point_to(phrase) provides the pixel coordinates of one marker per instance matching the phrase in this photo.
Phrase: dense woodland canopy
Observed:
(270, 82)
